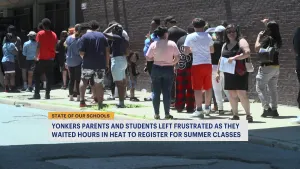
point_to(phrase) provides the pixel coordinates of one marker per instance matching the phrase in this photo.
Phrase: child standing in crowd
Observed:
(132, 74)
(61, 57)
(29, 51)
(10, 52)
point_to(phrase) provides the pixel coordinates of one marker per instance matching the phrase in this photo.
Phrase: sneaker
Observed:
(120, 106)
(110, 98)
(156, 117)
(147, 99)
(82, 104)
(267, 113)
(221, 112)
(274, 113)
(47, 96)
(190, 110)
(168, 117)
(78, 98)
(6, 89)
(100, 106)
(207, 112)
(71, 98)
(29, 89)
(198, 114)
(35, 97)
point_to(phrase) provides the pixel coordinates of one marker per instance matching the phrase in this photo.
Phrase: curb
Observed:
(36, 105)
(274, 143)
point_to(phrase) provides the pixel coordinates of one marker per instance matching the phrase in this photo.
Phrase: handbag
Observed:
(266, 55)
(249, 65)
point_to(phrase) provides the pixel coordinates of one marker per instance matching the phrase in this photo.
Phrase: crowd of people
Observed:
(194, 62)
(185, 66)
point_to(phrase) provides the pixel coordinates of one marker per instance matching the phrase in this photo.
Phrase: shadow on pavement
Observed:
(285, 117)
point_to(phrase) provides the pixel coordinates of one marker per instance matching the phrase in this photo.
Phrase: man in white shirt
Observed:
(200, 44)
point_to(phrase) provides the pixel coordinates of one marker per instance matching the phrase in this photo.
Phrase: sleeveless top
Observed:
(240, 68)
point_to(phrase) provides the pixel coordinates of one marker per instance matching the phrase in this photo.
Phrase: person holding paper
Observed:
(236, 49)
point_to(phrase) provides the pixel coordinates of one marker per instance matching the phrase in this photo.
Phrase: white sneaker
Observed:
(207, 112)
(197, 114)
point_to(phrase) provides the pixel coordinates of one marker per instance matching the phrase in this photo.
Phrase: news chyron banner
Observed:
(101, 127)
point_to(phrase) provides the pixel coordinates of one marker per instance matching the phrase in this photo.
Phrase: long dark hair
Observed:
(238, 34)
(131, 54)
(273, 31)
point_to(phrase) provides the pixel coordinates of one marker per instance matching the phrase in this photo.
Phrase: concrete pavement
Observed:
(276, 132)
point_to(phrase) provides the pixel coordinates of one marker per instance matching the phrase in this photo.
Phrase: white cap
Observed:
(31, 33)
(220, 28)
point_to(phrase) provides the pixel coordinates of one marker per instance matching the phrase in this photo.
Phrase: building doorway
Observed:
(58, 13)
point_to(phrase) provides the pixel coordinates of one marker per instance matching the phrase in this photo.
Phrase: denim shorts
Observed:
(118, 67)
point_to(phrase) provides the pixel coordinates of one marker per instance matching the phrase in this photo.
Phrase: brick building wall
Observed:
(246, 13)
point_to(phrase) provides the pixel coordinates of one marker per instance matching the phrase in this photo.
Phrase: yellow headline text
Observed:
(81, 115)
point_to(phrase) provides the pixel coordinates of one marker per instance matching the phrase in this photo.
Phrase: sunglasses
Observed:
(229, 32)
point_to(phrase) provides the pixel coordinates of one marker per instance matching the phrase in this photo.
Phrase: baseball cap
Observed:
(31, 33)
(219, 28)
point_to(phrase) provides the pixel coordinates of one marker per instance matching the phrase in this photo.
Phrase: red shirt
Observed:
(47, 40)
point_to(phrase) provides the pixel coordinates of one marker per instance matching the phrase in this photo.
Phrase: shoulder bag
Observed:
(249, 65)
(266, 55)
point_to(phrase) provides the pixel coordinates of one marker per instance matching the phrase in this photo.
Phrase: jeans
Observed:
(267, 77)
(162, 81)
(218, 87)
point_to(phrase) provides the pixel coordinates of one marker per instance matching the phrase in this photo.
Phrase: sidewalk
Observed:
(281, 132)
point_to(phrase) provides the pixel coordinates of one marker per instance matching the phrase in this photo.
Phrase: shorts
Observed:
(93, 75)
(201, 77)
(30, 65)
(132, 82)
(118, 68)
(9, 67)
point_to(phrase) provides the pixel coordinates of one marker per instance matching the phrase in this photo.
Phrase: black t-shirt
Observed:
(265, 43)
(60, 51)
(175, 33)
(118, 46)
(185, 61)
(217, 54)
